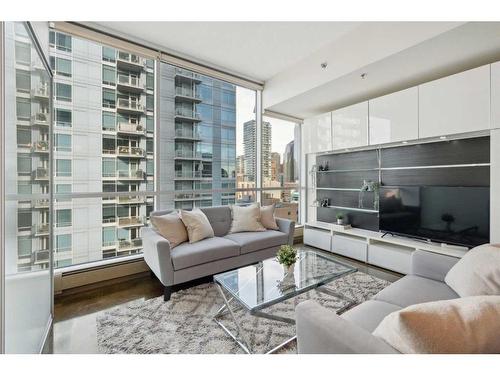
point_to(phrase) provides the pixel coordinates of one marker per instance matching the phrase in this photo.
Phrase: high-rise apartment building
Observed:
(275, 166)
(250, 149)
(289, 163)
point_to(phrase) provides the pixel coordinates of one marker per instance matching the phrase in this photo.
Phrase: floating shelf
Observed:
(348, 170)
(338, 189)
(366, 210)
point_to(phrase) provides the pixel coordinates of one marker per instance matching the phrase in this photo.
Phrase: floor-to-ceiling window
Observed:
(280, 144)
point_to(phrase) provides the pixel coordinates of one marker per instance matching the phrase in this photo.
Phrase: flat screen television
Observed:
(452, 215)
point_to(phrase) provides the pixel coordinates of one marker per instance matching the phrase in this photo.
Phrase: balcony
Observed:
(130, 106)
(131, 129)
(187, 94)
(130, 83)
(130, 61)
(41, 229)
(187, 114)
(131, 152)
(187, 134)
(41, 204)
(40, 119)
(187, 175)
(41, 257)
(40, 147)
(131, 175)
(133, 221)
(41, 92)
(187, 154)
(188, 75)
(131, 199)
(134, 244)
(192, 196)
(41, 174)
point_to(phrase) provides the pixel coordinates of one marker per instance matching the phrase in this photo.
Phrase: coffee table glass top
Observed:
(265, 283)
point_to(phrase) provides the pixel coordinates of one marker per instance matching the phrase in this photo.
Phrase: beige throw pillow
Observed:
(477, 273)
(197, 225)
(462, 325)
(267, 217)
(171, 227)
(246, 219)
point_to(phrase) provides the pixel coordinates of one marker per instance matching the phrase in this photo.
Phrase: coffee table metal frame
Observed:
(240, 336)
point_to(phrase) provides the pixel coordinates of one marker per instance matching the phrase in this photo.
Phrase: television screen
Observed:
(453, 215)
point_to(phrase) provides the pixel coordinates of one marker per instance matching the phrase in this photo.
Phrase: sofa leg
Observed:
(166, 293)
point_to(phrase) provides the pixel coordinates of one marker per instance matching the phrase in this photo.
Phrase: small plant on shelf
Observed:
(286, 256)
(340, 218)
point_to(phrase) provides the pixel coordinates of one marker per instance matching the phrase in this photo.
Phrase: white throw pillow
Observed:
(197, 225)
(267, 217)
(246, 219)
(477, 273)
(171, 227)
(462, 325)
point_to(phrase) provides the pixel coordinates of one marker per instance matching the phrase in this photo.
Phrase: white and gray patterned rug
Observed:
(185, 325)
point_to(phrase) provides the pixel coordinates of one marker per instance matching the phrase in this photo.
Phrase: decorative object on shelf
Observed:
(340, 218)
(313, 171)
(287, 256)
(369, 186)
(448, 219)
(325, 202)
(323, 167)
(316, 203)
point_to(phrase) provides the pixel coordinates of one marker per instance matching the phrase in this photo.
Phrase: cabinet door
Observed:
(394, 117)
(317, 134)
(456, 104)
(350, 126)
(495, 95)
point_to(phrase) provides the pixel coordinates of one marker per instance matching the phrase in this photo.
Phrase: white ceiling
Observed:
(257, 50)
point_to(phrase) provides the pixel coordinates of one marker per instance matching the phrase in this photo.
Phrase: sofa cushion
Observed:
(219, 218)
(477, 273)
(197, 225)
(246, 219)
(369, 314)
(267, 217)
(208, 250)
(413, 289)
(254, 241)
(171, 227)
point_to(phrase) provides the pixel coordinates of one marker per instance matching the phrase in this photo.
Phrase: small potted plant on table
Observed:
(340, 218)
(287, 256)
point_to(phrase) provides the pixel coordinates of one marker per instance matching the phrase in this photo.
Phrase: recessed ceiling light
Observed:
(363, 75)
(442, 137)
(324, 65)
(404, 142)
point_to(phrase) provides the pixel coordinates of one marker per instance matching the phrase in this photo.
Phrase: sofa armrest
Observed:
(288, 227)
(431, 265)
(156, 250)
(321, 331)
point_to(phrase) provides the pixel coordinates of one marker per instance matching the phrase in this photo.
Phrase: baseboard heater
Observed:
(84, 275)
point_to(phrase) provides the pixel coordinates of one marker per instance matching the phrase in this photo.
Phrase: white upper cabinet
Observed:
(495, 95)
(317, 134)
(394, 117)
(350, 126)
(456, 104)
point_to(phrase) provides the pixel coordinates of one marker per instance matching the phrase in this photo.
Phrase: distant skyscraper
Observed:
(289, 163)
(250, 150)
(275, 166)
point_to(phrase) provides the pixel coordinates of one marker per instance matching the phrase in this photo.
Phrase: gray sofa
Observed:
(223, 252)
(320, 330)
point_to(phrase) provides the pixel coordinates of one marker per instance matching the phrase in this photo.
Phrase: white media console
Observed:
(371, 247)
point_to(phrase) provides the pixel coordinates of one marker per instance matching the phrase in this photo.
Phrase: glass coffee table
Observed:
(266, 283)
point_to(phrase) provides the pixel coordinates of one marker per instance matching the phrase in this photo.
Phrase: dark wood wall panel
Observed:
(462, 151)
(351, 160)
(345, 180)
(356, 219)
(347, 198)
(468, 176)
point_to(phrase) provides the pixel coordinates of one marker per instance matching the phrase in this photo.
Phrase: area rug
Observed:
(184, 325)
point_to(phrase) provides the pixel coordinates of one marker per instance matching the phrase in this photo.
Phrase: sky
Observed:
(282, 131)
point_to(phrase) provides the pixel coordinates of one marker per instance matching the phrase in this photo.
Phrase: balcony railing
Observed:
(130, 60)
(187, 113)
(40, 146)
(131, 128)
(40, 119)
(130, 105)
(132, 221)
(188, 174)
(187, 93)
(41, 229)
(133, 152)
(187, 154)
(41, 203)
(41, 92)
(130, 244)
(131, 82)
(131, 199)
(41, 256)
(187, 74)
(41, 173)
(192, 196)
(187, 134)
(131, 175)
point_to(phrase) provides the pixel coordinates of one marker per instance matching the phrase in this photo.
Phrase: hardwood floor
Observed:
(75, 329)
